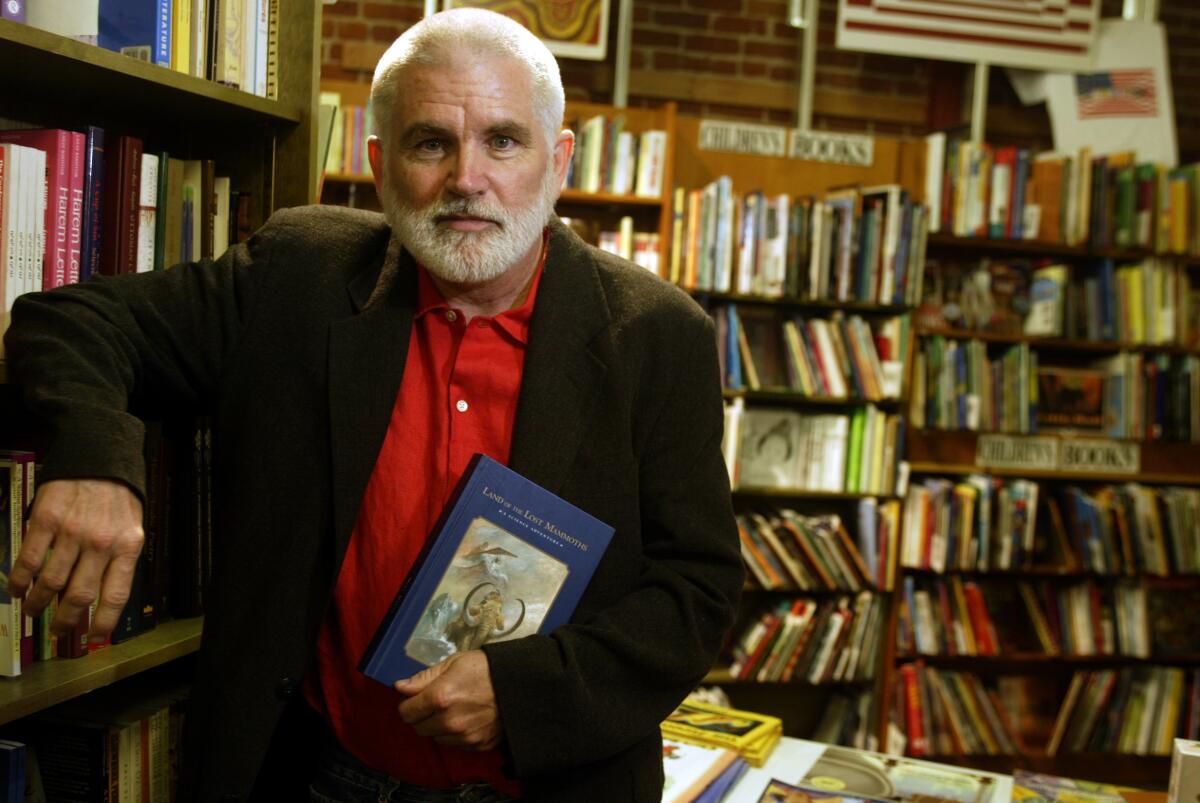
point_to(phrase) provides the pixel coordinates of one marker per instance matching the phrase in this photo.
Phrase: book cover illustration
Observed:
(506, 560)
(874, 776)
(778, 791)
(751, 734)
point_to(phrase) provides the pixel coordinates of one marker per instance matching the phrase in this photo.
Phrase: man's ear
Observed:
(564, 146)
(375, 156)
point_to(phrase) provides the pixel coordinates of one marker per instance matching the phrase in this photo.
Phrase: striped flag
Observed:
(1116, 93)
(1034, 34)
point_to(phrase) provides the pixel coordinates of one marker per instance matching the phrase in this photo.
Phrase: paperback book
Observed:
(507, 559)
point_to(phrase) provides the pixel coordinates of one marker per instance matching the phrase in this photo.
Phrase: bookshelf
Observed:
(1050, 564)
(268, 148)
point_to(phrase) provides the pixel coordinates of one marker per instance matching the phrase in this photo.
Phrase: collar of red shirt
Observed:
(514, 322)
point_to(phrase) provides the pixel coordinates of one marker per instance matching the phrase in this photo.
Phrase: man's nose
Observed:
(467, 173)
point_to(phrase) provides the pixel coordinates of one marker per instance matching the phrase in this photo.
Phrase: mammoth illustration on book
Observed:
(483, 620)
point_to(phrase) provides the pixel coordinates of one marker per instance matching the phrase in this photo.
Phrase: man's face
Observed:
(466, 175)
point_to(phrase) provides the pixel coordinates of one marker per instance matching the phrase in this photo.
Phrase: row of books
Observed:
(1133, 528)
(1109, 201)
(1139, 711)
(73, 204)
(863, 244)
(849, 719)
(346, 153)
(104, 746)
(974, 385)
(785, 550)
(987, 523)
(1148, 302)
(837, 357)
(811, 641)
(639, 247)
(859, 453)
(949, 713)
(610, 158)
(979, 523)
(233, 43)
(965, 617)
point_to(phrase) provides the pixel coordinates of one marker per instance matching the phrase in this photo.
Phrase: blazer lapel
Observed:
(565, 364)
(366, 360)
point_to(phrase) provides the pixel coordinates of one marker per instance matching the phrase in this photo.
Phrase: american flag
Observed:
(1035, 34)
(1116, 93)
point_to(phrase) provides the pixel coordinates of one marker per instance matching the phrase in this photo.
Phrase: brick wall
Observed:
(739, 59)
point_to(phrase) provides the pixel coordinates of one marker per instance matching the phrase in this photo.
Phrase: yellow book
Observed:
(181, 36)
(751, 734)
(1179, 215)
(964, 614)
(677, 242)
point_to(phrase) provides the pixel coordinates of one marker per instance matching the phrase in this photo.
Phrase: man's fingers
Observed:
(114, 593)
(53, 576)
(77, 595)
(39, 537)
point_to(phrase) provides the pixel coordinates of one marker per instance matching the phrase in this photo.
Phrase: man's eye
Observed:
(430, 145)
(502, 142)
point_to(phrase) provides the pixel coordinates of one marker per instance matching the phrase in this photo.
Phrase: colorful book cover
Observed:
(138, 28)
(691, 769)
(508, 559)
(751, 734)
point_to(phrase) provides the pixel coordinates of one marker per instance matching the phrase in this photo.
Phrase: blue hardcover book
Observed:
(93, 202)
(1020, 184)
(715, 791)
(733, 353)
(507, 559)
(138, 28)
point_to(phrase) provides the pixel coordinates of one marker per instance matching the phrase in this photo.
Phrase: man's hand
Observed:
(92, 530)
(453, 702)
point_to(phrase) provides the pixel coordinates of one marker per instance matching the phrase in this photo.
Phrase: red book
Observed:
(981, 622)
(75, 217)
(56, 144)
(917, 744)
(122, 171)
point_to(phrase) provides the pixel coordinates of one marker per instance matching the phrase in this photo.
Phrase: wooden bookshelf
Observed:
(47, 683)
(791, 397)
(723, 678)
(1039, 250)
(857, 307)
(570, 196)
(783, 494)
(1055, 343)
(1019, 663)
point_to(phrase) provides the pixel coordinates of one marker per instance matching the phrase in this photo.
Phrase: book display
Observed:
(143, 163)
(1050, 522)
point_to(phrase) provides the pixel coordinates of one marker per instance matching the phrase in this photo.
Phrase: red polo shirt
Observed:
(458, 397)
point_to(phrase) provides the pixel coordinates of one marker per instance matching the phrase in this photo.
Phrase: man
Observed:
(353, 366)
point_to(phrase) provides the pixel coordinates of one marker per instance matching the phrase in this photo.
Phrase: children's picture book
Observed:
(751, 734)
(1070, 399)
(1037, 787)
(778, 791)
(507, 559)
(690, 769)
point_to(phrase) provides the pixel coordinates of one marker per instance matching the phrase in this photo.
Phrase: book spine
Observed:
(273, 50)
(93, 203)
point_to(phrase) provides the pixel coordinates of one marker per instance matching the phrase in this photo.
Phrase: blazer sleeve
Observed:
(600, 685)
(85, 355)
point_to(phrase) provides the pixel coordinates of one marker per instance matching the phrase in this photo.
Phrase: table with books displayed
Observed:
(716, 754)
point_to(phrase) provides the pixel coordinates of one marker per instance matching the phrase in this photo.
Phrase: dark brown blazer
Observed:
(284, 341)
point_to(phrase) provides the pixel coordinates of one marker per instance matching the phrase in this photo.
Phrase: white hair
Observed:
(433, 41)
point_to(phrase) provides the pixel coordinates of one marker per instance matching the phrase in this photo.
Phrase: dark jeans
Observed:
(341, 778)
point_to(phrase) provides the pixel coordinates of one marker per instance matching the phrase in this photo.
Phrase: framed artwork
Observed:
(577, 29)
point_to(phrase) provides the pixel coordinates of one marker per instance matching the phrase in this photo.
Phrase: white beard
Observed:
(470, 257)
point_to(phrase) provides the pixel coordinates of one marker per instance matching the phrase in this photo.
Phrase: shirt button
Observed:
(461, 406)
(451, 315)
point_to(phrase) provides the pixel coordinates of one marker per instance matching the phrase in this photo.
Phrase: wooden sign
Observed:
(1099, 456)
(1013, 451)
(846, 149)
(760, 140)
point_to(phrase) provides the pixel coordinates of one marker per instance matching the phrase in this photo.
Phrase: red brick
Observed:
(352, 30)
(839, 58)
(740, 25)
(763, 50)
(783, 74)
(667, 61)
(720, 66)
(717, 5)
(736, 112)
(782, 30)
(681, 19)
(781, 117)
(331, 72)
(767, 8)
(637, 60)
(384, 33)
(655, 38)
(326, 29)
(712, 44)
(342, 8)
(392, 11)
(335, 53)
(641, 14)
(753, 69)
